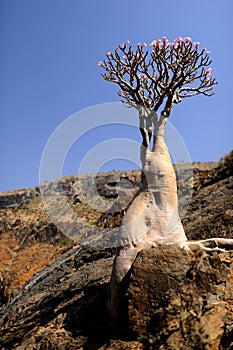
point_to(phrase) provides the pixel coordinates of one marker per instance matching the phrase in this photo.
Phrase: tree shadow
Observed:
(88, 317)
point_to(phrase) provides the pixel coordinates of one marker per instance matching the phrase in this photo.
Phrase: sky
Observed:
(49, 53)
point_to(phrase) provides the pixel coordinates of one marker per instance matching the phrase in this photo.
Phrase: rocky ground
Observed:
(173, 301)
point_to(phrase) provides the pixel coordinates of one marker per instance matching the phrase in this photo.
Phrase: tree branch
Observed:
(212, 244)
(158, 78)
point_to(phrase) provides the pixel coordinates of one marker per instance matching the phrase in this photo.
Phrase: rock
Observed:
(176, 300)
(14, 199)
(60, 304)
(3, 297)
(228, 215)
(209, 213)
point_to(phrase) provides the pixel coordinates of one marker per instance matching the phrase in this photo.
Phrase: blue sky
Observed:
(49, 51)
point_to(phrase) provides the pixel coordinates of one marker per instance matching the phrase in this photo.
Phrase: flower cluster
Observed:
(167, 71)
(165, 42)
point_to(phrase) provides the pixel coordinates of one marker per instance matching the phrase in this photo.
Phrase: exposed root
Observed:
(212, 244)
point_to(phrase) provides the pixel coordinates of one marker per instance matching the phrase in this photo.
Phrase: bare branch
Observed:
(167, 73)
(212, 244)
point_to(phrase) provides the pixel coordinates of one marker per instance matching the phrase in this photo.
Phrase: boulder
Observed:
(180, 300)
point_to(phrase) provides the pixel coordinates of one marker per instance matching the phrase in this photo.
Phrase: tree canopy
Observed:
(164, 74)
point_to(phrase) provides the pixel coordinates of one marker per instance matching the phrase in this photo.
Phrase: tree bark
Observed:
(153, 216)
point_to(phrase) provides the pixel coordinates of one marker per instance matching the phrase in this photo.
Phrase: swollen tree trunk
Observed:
(153, 216)
(155, 79)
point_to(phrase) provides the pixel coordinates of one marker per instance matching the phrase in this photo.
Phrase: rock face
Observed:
(173, 299)
(29, 239)
(176, 300)
(62, 306)
(13, 199)
(210, 212)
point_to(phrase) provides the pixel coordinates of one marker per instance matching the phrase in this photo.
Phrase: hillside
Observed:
(41, 315)
(29, 240)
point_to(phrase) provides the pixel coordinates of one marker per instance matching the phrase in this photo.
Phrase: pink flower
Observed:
(170, 45)
(187, 38)
(101, 64)
(176, 43)
(196, 44)
(157, 43)
(142, 44)
(125, 43)
(208, 71)
(109, 53)
(153, 43)
(181, 38)
(207, 53)
(165, 40)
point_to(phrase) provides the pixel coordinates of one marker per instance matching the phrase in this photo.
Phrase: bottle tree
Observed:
(152, 81)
